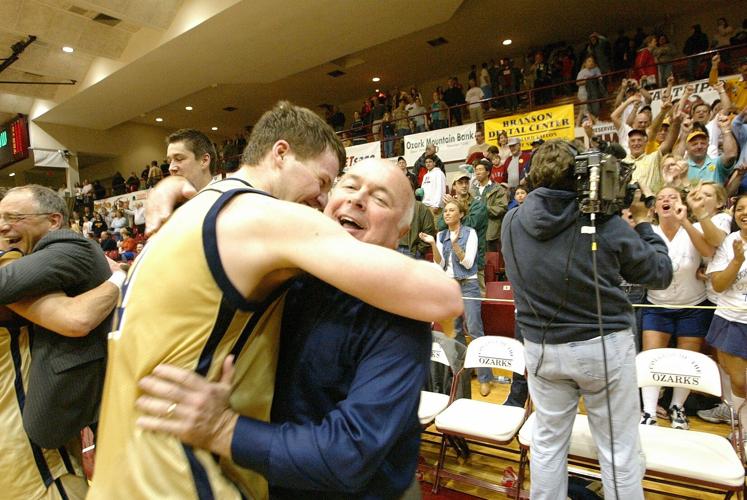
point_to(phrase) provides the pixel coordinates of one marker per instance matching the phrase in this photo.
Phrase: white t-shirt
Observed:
(470, 252)
(736, 294)
(484, 77)
(622, 136)
(714, 135)
(721, 220)
(434, 188)
(686, 289)
(474, 95)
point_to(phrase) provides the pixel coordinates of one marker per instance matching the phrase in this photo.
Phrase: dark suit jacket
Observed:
(66, 375)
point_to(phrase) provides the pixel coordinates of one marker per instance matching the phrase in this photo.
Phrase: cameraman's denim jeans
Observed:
(576, 369)
(473, 317)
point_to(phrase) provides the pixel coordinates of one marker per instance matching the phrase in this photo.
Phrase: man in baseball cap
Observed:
(703, 167)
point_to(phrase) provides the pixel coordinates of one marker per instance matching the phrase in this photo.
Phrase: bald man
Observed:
(344, 417)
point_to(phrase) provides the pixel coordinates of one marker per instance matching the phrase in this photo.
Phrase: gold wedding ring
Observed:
(170, 410)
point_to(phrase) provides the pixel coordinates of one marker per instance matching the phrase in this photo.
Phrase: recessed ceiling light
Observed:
(507, 41)
(67, 49)
(188, 108)
(214, 128)
(159, 119)
(11, 174)
(376, 79)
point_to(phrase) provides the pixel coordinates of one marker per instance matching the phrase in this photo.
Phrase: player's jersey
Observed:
(28, 470)
(179, 307)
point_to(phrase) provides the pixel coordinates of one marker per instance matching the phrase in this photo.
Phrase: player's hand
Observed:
(163, 199)
(715, 60)
(188, 406)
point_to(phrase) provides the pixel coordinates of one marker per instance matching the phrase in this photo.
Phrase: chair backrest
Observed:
(678, 368)
(495, 352)
(499, 290)
(438, 354)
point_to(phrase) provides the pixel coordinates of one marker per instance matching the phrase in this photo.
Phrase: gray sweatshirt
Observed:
(549, 263)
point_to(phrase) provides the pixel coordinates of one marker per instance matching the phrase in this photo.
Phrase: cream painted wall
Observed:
(130, 146)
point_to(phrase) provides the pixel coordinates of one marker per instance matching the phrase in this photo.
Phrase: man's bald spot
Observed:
(397, 185)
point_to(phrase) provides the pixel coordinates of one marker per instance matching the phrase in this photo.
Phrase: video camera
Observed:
(603, 182)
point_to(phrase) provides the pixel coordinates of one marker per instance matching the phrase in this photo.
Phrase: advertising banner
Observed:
(452, 143)
(361, 152)
(548, 123)
(702, 90)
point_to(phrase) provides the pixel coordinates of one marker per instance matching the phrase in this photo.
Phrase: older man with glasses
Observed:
(66, 374)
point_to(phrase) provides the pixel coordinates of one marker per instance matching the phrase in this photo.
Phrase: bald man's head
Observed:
(373, 201)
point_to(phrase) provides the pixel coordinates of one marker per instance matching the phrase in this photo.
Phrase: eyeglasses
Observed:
(14, 218)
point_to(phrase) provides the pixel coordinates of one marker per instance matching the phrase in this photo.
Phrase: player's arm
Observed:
(316, 244)
(70, 316)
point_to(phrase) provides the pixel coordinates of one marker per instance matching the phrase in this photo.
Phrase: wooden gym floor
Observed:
(491, 467)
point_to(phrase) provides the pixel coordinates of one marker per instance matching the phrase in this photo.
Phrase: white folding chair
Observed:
(481, 421)
(673, 456)
(433, 403)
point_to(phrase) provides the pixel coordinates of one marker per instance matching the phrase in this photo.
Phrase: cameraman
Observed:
(549, 263)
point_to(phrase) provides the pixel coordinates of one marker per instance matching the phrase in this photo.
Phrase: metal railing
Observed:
(695, 67)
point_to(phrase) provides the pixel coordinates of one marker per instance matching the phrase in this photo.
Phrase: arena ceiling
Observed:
(136, 60)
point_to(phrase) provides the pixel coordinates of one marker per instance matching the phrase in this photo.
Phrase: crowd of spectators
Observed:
(588, 69)
(690, 158)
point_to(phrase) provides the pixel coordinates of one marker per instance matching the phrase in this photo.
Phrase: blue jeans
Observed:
(473, 316)
(567, 372)
(389, 146)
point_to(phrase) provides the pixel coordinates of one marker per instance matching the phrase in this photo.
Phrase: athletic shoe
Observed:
(679, 419)
(718, 414)
(647, 419)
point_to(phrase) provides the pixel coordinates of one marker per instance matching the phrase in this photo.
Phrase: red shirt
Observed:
(645, 64)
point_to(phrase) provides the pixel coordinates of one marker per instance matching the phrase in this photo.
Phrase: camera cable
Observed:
(604, 348)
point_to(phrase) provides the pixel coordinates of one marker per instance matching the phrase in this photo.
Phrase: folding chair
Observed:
(481, 421)
(673, 456)
(433, 403)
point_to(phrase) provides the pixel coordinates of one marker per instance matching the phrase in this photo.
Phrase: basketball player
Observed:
(210, 284)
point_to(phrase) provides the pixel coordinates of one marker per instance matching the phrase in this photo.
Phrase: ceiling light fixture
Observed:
(11, 174)
(507, 41)
(68, 50)
(214, 128)
(159, 119)
(188, 108)
(375, 79)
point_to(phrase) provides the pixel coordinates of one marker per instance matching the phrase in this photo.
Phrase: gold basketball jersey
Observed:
(29, 472)
(178, 307)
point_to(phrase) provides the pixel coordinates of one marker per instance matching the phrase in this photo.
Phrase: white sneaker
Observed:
(647, 419)
(678, 417)
(718, 414)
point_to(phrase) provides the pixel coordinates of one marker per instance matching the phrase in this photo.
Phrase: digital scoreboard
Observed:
(14, 141)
